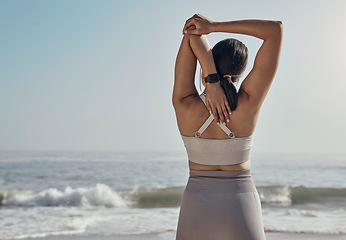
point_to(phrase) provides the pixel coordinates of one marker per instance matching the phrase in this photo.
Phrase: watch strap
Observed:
(212, 78)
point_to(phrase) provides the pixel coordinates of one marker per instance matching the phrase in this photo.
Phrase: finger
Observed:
(192, 31)
(228, 107)
(189, 24)
(219, 110)
(188, 20)
(225, 113)
(216, 117)
(194, 16)
(209, 108)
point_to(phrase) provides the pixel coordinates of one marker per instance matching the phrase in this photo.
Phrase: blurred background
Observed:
(98, 75)
(86, 99)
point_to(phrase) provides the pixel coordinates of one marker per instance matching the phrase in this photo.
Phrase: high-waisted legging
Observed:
(220, 205)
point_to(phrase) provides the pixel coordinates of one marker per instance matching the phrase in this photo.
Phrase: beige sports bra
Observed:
(208, 151)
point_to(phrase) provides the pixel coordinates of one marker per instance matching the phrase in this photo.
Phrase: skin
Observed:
(189, 108)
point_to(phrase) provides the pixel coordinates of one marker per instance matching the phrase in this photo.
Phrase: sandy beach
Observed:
(171, 236)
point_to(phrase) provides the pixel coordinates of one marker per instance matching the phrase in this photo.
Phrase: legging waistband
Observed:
(218, 173)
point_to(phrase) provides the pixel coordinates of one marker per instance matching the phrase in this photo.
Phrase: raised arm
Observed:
(195, 47)
(184, 74)
(257, 83)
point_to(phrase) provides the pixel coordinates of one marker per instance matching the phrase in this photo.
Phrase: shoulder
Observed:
(189, 112)
(187, 103)
(247, 105)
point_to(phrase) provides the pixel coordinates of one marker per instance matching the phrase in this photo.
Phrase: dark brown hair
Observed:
(230, 57)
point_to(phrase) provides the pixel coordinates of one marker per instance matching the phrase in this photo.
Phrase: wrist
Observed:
(214, 26)
(212, 84)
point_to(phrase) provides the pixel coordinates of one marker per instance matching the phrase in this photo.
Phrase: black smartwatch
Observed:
(212, 78)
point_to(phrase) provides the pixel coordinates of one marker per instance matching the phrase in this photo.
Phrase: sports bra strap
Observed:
(206, 124)
(229, 133)
(202, 96)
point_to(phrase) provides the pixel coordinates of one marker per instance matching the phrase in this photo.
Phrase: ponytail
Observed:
(230, 58)
(230, 91)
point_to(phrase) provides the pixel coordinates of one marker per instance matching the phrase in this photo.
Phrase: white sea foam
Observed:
(304, 221)
(99, 195)
(278, 194)
(45, 221)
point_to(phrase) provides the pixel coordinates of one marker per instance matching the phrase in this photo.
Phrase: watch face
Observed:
(212, 78)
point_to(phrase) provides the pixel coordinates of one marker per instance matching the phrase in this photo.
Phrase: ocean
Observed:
(45, 193)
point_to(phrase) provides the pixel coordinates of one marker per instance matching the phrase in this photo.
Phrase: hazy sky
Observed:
(98, 75)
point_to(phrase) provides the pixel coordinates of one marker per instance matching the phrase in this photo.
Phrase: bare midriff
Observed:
(235, 167)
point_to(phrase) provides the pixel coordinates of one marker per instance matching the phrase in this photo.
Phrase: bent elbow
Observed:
(280, 25)
(277, 29)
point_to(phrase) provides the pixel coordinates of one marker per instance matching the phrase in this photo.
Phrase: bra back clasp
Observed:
(231, 135)
(197, 134)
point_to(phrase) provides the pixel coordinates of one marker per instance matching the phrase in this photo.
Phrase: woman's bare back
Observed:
(242, 123)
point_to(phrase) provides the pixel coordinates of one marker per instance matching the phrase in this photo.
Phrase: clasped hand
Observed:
(217, 103)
